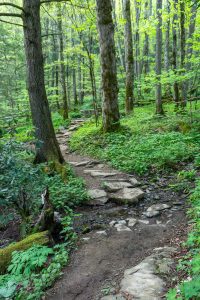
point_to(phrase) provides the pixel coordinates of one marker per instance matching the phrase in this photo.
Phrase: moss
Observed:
(40, 238)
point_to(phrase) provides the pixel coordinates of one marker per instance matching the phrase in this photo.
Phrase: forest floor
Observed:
(114, 237)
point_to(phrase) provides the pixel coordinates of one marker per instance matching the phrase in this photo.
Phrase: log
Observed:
(40, 238)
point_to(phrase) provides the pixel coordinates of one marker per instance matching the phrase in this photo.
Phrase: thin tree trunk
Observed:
(119, 45)
(128, 56)
(111, 118)
(159, 108)
(145, 64)
(174, 53)
(47, 148)
(183, 51)
(167, 37)
(62, 65)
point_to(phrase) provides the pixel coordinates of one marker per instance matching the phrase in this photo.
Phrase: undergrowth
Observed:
(189, 287)
(144, 142)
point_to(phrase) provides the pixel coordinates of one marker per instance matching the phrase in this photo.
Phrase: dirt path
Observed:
(115, 236)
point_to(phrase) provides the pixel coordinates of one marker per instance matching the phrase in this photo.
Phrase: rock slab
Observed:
(127, 196)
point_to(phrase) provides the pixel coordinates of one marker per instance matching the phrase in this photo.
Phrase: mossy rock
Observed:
(40, 238)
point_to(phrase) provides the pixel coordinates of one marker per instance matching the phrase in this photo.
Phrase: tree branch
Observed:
(10, 15)
(11, 23)
(13, 5)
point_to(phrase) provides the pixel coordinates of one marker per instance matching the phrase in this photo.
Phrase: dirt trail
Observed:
(109, 244)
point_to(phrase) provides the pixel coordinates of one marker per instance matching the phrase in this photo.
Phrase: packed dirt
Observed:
(105, 249)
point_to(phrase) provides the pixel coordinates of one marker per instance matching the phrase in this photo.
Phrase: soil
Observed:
(100, 259)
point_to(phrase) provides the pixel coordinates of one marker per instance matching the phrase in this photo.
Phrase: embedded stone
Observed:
(127, 196)
(115, 186)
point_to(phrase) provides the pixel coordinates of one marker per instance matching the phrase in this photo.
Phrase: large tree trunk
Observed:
(174, 52)
(111, 118)
(128, 56)
(62, 64)
(159, 108)
(47, 145)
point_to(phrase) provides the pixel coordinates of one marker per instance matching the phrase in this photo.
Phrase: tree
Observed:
(159, 108)
(128, 56)
(174, 52)
(47, 147)
(183, 50)
(62, 63)
(111, 118)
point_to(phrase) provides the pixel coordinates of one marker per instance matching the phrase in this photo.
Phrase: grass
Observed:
(145, 142)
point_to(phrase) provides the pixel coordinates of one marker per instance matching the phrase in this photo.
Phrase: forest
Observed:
(99, 149)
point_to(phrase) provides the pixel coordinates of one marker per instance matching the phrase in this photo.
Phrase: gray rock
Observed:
(158, 207)
(99, 173)
(98, 197)
(121, 222)
(132, 222)
(134, 182)
(151, 214)
(115, 186)
(122, 228)
(127, 196)
(146, 222)
(143, 281)
(82, 163)
(113, 297)
(103, 232)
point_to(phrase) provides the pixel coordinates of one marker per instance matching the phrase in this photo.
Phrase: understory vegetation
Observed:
(145, 142)
(32, 271)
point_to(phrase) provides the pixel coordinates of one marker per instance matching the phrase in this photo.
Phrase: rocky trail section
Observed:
(126, 231)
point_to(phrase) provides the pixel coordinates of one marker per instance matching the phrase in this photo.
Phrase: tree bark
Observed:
(145, 63)
(119, 46)
(183, 51)
(111, 118)
(128, 56)
(167, 37)
(62, 64)
(159, 108)
(47, 148)
(174, 53)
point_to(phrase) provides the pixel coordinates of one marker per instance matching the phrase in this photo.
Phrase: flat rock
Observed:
(127, 196)
(122, 228)
(144, 281)
(113, 297)
(158, 207)
(115, 186)
(132, 222)
(146, 222)
(99, 173)
(151, 214)
(102, 232)
(98, 197)
(134, 182)
(82, 163)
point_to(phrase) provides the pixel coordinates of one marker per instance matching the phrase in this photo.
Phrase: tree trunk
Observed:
(174, 52)
(62, 64)
(183, 51)
(128, 56)
(190, 36)
(167, 37)
(47, 148)
(145, 64)
(119, 46)
(159, 108)
(111, 118)
(137, 39)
